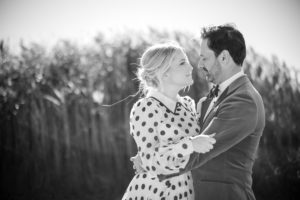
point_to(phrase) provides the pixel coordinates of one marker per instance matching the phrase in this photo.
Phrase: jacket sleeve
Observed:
(235, 120)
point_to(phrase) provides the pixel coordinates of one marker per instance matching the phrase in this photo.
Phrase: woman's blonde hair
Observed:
(155, 61)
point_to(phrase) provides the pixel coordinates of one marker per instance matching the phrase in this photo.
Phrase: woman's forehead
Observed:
(179, 55)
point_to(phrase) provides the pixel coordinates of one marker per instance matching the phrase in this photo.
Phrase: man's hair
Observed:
(226, 37)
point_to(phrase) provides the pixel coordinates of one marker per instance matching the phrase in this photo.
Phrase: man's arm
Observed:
(236, 119)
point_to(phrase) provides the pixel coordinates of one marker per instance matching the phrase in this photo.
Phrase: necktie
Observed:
(213, 92)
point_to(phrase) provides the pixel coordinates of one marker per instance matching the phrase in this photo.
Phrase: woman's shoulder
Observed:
(187, 100)
(146, 103)
(146, 107)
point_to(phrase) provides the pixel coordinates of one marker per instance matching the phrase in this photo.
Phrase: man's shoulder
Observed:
(245, 87)
(252, 92)
(244, 92)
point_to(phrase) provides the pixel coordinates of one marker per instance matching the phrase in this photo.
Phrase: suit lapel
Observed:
(228, 91)
(204, 108)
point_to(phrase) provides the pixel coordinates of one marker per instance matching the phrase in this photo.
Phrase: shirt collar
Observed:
(227, 82)
(168, 102)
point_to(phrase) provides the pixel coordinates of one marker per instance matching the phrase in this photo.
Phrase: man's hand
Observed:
(203, 143)
(137, 164)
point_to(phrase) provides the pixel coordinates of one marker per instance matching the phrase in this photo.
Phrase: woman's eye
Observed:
(182, 63)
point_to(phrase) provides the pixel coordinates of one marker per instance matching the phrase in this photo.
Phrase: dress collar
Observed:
(168, 102)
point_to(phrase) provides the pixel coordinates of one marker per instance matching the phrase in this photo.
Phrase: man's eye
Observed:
(182, 63)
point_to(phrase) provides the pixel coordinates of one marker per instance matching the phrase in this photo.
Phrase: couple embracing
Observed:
(203, 152)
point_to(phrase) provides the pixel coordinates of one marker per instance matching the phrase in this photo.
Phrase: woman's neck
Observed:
(170, 93)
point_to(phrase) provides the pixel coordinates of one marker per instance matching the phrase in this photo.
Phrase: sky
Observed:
(271, 27)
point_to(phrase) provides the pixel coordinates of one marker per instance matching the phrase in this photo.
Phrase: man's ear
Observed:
(224, 57)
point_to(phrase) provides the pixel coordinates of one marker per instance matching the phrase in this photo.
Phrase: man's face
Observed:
(209, 63)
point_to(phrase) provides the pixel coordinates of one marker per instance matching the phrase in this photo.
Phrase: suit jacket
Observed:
(238, 119)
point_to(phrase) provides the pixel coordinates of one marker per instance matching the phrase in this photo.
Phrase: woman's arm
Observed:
(154, 157)
(144, 120)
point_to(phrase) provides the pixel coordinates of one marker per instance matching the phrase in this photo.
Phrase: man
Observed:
(235, 112)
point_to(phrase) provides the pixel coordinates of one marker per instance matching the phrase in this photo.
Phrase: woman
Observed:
(162, 124)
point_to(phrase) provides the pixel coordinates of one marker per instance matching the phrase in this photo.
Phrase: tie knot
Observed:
(214, 91)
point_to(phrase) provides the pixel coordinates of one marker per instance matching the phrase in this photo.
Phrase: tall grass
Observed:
(58, 142)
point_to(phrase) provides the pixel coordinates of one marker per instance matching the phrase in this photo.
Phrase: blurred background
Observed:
(62, 60)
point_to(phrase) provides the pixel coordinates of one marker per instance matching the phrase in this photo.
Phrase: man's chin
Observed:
(209, 79)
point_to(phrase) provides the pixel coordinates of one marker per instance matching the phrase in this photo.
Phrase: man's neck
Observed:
(229, 74)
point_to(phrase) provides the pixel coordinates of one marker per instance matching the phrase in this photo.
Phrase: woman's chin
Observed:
(191, 82)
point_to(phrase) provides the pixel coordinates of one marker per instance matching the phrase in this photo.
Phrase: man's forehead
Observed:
(205, 50)
(204, 43)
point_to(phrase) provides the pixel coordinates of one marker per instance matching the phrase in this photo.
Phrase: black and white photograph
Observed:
(149, 99)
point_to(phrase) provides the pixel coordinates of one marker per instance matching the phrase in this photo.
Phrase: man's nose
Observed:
(200, 64)
(202, 67)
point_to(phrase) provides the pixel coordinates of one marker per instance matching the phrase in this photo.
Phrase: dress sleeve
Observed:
(157, 158)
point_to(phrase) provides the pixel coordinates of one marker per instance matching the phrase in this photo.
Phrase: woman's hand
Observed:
(203, 143)
(137, 164)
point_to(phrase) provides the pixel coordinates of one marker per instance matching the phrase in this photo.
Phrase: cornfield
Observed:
(59, 141)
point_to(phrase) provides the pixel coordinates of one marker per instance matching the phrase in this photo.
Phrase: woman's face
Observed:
(180, 72)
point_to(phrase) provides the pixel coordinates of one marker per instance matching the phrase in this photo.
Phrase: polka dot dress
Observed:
(161, 130)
